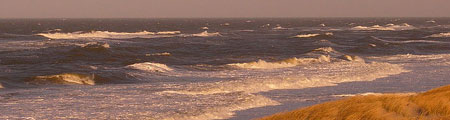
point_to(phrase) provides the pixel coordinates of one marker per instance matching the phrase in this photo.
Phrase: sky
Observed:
(221, 8)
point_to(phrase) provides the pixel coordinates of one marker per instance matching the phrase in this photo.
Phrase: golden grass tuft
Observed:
(431, 105)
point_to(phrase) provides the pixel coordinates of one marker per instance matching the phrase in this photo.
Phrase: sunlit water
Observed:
(209, 68)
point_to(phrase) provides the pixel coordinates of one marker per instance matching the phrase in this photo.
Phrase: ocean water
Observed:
(208, 68)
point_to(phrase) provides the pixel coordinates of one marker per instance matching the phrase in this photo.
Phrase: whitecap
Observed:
(225, 24)
(98, 35)
(431, 21)
(278, 27)
(312, 35)
(104, 45)
(387, 27)
(306, 35)
(109, 35)
(298, 77)
(151, 67)
(168, 32)
(440, 35)
(291, 62)
(72, 78)
(206, 34)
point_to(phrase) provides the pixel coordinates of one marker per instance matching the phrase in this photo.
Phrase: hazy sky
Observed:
(222, 8)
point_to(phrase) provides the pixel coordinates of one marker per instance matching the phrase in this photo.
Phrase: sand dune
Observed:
(432, 105)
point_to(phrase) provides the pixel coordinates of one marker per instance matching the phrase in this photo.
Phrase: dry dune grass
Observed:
(431, 105)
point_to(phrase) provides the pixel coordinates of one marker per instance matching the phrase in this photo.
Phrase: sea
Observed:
(211, 68)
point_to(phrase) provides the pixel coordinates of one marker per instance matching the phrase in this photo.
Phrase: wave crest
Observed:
(387, 27)
(151, 67)
(68, 78)
(440, 35)
(306, 35)
(312, 35)
(94, 45)
(291, 62)
(168, 32)
(107, 34)
(206, 34)
(302, 77)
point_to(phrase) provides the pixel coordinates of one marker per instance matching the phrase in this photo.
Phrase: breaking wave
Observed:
(281, 28)
(68, 78)
(107, 34)
(311, 35)
(94, 45)
(124, 35)
(151, 67)
(387, 27)
(440, 35)
(306, 35)
(291, 62)
(319, 55)
(205, 34)
(299, 77)
(168, 32)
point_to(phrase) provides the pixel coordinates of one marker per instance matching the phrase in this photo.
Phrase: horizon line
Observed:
(217, 17)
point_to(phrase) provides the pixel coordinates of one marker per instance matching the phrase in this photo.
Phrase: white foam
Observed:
(291, 62)
(224, 112)
(107, 34)
(306, 35)
(105, 45)
(70, 78)
(151, 67)
(316, 75)
(312, 35)
(280, 28)
(440, 35)
(126, 101)
(226, 24)
(206, 34)
(387, 27)
(95, 35)
(168, 32)
(325, 49)
(431, 21)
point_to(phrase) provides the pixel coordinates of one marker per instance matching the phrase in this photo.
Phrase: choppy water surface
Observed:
(198, 68)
